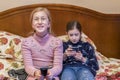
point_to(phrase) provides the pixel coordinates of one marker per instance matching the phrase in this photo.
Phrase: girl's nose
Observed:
(74, 37)
(39, 21)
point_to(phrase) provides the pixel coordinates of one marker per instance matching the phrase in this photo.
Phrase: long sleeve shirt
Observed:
(42, 52)
(87, 52)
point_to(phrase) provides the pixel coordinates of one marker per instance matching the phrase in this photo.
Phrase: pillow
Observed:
(10, 45)
(84, 38)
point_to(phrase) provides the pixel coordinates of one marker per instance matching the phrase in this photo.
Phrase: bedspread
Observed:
(11, 58)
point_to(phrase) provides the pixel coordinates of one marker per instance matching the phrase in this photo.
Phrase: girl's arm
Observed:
(27, 58)
(64, 56)
(91, 57)
(58, 59)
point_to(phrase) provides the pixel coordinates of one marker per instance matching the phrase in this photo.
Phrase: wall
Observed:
(104, 6)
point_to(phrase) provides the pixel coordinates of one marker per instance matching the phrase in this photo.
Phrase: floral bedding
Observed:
(10, 54)
(11, 58)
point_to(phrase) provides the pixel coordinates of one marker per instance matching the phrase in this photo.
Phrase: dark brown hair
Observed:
(73, 24)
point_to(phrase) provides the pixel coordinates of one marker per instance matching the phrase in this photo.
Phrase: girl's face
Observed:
(74, 35)
(40, 22)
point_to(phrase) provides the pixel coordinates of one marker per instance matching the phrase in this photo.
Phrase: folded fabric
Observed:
(19, 74)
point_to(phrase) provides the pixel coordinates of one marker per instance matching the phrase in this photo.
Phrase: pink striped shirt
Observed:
(41, 52)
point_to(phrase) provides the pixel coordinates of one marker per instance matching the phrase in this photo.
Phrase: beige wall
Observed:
(104, 6)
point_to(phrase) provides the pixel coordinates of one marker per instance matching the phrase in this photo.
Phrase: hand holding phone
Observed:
(70, 52)
(78, 56)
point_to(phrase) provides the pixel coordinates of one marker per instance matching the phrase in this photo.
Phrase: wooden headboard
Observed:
(103, 29)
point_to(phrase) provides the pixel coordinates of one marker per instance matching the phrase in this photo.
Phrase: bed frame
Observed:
(103, 29)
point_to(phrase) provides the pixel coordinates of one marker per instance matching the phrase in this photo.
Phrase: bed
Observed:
(100, 29)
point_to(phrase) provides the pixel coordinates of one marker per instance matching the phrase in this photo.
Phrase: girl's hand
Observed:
(78, 56)
(49, 76)
(84, 59)
(70, 52)
(37, 74)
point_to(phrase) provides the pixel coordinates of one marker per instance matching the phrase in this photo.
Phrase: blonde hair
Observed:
(46, 11)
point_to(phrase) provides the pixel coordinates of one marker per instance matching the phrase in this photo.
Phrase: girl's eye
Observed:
(43, 18)
(76, 34)
(36, 18)
(71, 34)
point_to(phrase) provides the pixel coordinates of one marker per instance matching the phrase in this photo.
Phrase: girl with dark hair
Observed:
(79, 61)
